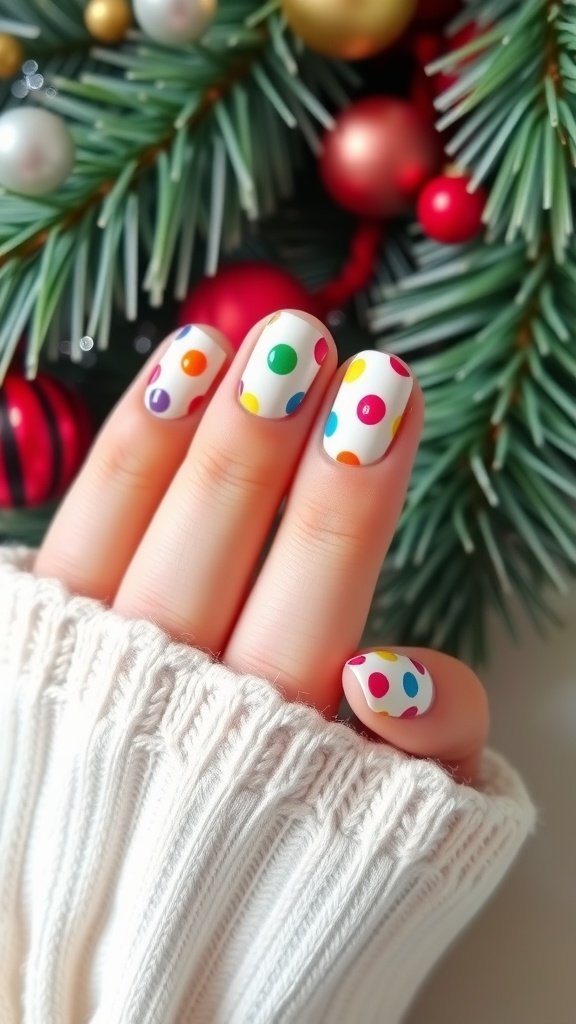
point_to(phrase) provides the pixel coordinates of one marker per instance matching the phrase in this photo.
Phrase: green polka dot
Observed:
(282, 359)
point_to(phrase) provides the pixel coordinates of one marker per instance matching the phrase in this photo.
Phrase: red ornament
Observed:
(434, 11)
(378, 156)
(449, 213)
(240, 294)
(45, 432)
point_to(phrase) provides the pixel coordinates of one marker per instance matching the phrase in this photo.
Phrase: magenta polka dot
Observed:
(418, 666)
(241, 387)
(409, 713)
(371, 409)
(378, 684)
(358, 660)
(155, 374)
(320, 350)
(399, 367)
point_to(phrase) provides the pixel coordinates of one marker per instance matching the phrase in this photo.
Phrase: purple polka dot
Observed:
(358, 660)
(159, 400)
(378, 684)
(182, 333)
(241, 387)
(371, 409)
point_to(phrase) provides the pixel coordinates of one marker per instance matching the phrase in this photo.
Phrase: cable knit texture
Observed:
(180, 845)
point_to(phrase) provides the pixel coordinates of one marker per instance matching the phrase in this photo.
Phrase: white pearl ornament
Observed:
(36, 151)
(174, 22)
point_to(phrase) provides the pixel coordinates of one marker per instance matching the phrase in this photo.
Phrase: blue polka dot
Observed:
(296, 400)
(185, 330)
(331, 424)
(410, 684)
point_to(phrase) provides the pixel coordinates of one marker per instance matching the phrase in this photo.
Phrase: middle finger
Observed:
(193, 567)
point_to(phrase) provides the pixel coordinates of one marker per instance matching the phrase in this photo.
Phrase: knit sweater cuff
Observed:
(180, 844)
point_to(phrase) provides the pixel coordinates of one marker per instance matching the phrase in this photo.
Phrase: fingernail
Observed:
(282, 366)
(368, 409)
(392, 684)
(181, 380)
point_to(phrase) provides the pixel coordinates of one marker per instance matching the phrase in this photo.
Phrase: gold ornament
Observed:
(348, 29)
(108, 20)
(11, 56)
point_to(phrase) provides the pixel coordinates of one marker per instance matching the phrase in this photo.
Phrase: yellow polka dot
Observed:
(273, 318)
(396, 425)
(387, 655)
(250, 402)
(355, 370)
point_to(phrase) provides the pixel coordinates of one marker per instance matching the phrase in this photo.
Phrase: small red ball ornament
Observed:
(240, 294)
(436, 10)
(45, 433)
(448, 212)
(378, 156)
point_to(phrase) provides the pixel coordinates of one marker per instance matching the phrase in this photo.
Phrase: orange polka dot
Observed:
(387, 655)
(355, 370)
(194, 362)
(349, 458)
(396, 425)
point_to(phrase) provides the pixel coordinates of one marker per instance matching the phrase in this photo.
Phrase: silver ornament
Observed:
(174, 22)
(36, 151)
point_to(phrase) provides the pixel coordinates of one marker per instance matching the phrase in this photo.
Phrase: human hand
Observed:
(170, 519)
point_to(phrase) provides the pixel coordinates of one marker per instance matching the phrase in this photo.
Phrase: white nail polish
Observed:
(282, 366)
(392, 684)
(368, 408)
(188, 368)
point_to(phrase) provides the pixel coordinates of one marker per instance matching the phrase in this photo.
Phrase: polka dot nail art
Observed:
(392, 684)
(282, 366)
(180, 382)
(368, 409)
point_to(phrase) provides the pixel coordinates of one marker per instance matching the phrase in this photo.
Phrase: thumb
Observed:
(423, 702)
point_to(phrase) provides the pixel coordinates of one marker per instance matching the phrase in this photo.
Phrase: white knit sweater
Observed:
(179, 845)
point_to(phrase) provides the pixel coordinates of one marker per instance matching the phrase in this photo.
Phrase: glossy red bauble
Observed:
(45, 432)
(449, 213)
(378, 156)
(240, 294)
(436, 10)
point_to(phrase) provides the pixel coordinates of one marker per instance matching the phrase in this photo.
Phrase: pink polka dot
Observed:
(358, 660)
(409, 713)
(195, 403)
(371, 409)
(378, 684)
(418, 666)
(320, 350)
(399, 367)
(155, 374)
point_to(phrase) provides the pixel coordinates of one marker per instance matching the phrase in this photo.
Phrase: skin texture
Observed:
(172, 520)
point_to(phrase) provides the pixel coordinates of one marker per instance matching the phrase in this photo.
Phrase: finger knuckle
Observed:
(329, 528)
(217, 470)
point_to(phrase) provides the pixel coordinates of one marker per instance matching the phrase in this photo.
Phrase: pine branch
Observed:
(516, 98)
(216, 146)
(491, 505)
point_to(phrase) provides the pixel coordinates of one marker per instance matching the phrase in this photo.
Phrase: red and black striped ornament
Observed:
(45, 433)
